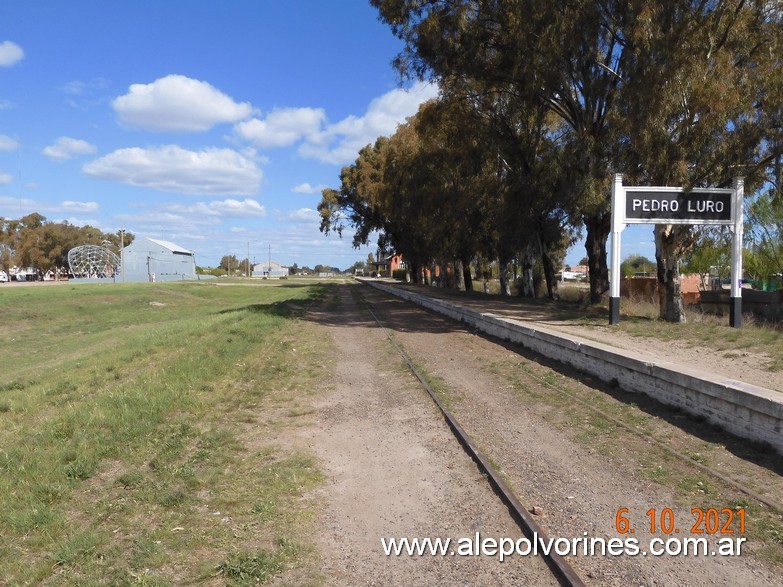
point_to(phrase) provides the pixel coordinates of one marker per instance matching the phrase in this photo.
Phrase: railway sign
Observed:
(672, 205)
(675, 206)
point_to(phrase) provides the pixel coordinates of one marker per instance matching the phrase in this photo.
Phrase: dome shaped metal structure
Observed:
(93, 261)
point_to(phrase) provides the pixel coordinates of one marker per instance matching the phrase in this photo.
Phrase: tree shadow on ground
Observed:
(399, 315)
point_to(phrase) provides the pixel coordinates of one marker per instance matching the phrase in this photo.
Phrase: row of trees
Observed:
(542, 101)
(231, 265)
(32, 241)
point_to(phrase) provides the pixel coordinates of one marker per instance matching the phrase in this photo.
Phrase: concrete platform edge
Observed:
(745, 410)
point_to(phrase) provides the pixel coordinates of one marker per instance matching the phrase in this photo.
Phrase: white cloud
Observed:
(86, 96)
(184, 223)
(10, 53)
(228, 208)
(244, 208)
(173, 169)
(6, 179)
(164, 223)
(341, 142)
(281, 127)
(306, 188)
(80, 88)
(8, 144)
(178, 103)
(66, 147)
(13, 205)
(74, 206)
(303, 215)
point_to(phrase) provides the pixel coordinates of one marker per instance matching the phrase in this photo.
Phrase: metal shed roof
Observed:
(170, 246)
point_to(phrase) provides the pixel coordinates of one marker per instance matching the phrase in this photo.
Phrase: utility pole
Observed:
(122, 254)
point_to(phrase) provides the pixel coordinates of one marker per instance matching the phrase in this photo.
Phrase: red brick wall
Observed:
(646, 288)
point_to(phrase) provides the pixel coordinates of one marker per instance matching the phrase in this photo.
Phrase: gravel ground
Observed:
(393, 468)
(578, 488)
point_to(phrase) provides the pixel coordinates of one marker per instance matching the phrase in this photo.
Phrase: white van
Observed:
(3, 276)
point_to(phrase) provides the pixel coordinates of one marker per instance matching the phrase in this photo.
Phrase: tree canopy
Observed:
(454, 184)
(32, 241)
(667, 92)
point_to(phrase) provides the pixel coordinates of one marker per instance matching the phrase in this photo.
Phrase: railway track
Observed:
(382, 310)
(559, 566)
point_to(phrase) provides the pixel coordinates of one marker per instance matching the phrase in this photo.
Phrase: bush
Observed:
(399, 274)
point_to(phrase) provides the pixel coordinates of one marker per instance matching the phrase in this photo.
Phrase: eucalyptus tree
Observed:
(373, 198)
(229, 263)
(460, 183)
(410, 200)
(565, 56)
(527, 214)
(672, 92)
(696, 105)
(540, 202)
(33, 241)
(426, 190)
(353, 204)
(764, 235)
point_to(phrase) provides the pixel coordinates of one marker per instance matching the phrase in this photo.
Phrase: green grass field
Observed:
(142, 437)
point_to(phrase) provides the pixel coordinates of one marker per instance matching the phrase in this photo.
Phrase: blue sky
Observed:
(210, 124)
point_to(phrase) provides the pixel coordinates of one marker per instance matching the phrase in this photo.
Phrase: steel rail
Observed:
(662, 445)
(742, 488)
(559, 566)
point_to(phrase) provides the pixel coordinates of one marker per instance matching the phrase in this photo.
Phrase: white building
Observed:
(147, 259)
(270, 269)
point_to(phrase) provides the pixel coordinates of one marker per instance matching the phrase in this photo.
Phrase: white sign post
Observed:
(735, 310)
(667, 205)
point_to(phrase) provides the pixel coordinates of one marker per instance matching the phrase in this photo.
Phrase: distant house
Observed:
(270, 269)
(148, 259)
(388, 265)
(582, 270)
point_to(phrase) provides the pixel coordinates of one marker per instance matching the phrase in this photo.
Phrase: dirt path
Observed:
(394, 470)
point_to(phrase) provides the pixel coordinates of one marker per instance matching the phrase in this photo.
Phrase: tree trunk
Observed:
(505, 284)
(527, 290)
(549, 270)
(467, 276)
(459, 275)
(414, 272)
(598, 228)
(671, 242)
